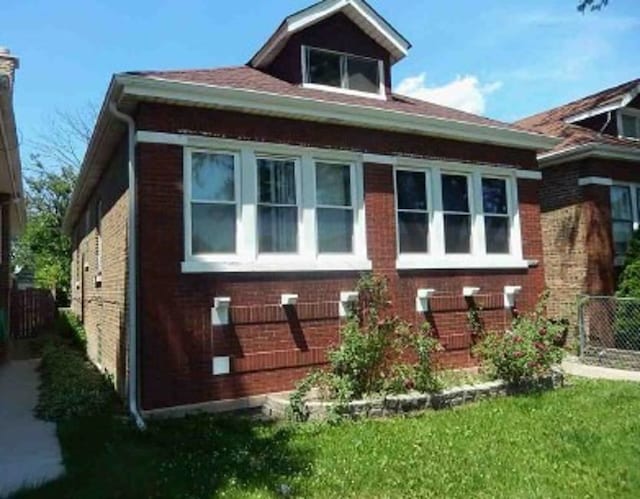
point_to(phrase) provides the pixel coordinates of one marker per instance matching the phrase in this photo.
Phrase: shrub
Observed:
(67, 325)
(71, 385)
(526, 352)
(377, 353)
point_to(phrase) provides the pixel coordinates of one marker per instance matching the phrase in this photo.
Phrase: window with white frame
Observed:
(334, 207)
(622, 218)
(338, 70)
(273, 208)
(446, 214)
(630, 125)
(413, 211)
(277, 206)
(495, 207)
(213, 202)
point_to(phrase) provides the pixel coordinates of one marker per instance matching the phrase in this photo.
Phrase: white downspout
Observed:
(132, 318)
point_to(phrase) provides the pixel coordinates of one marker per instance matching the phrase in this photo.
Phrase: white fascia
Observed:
(296, 107)
(620, 102)
(593, 150)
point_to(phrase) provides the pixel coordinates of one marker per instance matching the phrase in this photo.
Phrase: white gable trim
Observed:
(620, 102)
(357, 10)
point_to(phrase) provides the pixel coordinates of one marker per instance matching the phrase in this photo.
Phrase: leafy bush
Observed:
(526, 352)
(627, 315)
(71, 385)
(67, 325)
(377, 353)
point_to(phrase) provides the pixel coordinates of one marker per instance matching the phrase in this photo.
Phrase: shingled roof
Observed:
(557, 121)
(248, 78)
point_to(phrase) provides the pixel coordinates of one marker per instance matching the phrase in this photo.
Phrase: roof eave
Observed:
(246, 100)
(589, 150)
(615, 104)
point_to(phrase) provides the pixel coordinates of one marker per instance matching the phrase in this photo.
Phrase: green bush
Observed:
(378, 353)
(627, 316)
(71, 385)
(67, 325)
(525, 353)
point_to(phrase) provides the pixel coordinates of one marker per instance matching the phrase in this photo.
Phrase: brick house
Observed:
(264, 190)
(590, 192)
(12, 209)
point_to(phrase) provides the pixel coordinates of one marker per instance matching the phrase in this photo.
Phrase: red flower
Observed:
(518, 354)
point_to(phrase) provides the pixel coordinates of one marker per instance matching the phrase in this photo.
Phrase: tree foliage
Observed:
(50, 179)
(592, 5)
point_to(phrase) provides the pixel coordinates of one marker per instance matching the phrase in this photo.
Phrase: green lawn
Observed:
(582, 441)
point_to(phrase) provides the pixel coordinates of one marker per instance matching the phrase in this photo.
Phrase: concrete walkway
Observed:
(572, 365)
(29, 449)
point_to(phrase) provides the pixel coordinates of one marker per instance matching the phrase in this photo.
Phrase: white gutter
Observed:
(590, 150)
(132, 319)
(297, 107)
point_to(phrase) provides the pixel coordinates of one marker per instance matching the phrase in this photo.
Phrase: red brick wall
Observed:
(269, 350)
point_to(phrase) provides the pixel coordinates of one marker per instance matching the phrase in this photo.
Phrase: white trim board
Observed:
(590, 150)
(595, 181)
(308, 109)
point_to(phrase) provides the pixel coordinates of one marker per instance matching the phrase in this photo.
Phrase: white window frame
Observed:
(188, 201)
(635, 206)
(247, 258)
(631, 113)
(381, 94)
(429, 210)
(509, 215)
(353, 184)
(436, 258)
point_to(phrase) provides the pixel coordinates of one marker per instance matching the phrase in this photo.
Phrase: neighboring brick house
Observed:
(590, 195)
(264, 190)
(12, 209)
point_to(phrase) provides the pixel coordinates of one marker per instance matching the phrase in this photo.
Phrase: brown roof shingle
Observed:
(553, 122)
(246, 77)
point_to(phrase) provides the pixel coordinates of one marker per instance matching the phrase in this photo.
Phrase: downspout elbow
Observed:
(132, 284)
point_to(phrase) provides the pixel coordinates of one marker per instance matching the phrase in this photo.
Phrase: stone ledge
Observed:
(277, 406)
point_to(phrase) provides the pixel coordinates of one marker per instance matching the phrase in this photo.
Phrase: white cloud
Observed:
(465, 92)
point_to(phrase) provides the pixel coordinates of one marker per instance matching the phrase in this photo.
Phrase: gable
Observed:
(338, 33)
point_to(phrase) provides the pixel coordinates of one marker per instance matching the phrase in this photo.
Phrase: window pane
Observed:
(411, 189)
(212, 177)
(213, 228)
(363, 74)
(278, 229)
(496, 231)
(455, 196)
(621, 202)
(277, 181)
(629, 127)
(335, 230)
(457, 233)
(333, 184)
(494, 195)
(622, 233)
(324, 68)
(413, 231)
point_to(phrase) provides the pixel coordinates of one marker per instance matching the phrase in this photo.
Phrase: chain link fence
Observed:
(610, 331)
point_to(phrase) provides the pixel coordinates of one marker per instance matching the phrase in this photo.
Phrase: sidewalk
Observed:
(572, 365)
(29, 449)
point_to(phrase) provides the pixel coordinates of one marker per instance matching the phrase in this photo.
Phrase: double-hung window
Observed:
(347, 72)
(334, 207)
(630, 124)
(213, 202)
(413, 211)
(621, 218)
(456, 216)
(277, 206)
(495, 208)
(456, 208)
(269, 207)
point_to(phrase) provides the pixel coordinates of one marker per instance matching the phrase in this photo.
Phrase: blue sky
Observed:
(504, 59)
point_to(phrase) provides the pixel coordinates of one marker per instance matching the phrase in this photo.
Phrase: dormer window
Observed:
(630, 125)
(342, 72)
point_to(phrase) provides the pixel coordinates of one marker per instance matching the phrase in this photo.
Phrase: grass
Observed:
(582, 441)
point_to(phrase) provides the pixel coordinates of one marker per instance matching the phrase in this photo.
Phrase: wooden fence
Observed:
(30, 310)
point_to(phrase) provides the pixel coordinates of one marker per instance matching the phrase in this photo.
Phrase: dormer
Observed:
(337, 46)
(614, 112)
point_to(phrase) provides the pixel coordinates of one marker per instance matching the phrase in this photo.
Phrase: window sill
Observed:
(286, 265)
(345, 91)
(461, 262)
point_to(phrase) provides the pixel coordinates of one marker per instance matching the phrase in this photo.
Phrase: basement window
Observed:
(341, 72)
